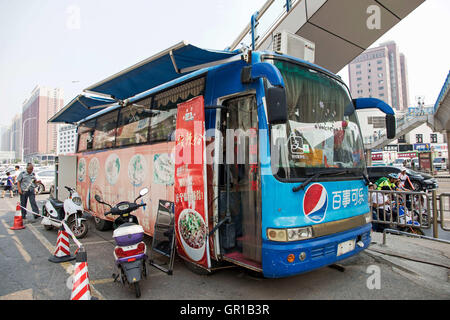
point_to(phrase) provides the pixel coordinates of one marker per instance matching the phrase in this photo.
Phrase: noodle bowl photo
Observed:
(192, 230)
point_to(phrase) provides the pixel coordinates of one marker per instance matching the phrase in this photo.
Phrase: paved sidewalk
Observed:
(424, 262)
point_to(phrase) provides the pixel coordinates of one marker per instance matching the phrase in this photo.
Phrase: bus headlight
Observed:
(296, 234)
(368, 217)
(291, 234)
(277, 234)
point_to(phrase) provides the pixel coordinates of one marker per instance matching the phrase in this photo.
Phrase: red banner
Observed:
(191, 216)
(407, 155)
(377, 156)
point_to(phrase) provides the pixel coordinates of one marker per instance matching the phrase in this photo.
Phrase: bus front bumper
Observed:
(317, 252)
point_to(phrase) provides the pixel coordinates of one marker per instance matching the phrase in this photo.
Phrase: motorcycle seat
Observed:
(56, 203)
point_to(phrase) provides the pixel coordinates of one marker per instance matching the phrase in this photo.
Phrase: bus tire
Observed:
(102, 225)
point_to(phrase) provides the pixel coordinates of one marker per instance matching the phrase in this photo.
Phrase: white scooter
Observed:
(71, 211)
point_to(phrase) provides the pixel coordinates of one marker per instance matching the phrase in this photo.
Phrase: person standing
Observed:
(15, 175)
(403, 177)
(9, 185)
(26, 182)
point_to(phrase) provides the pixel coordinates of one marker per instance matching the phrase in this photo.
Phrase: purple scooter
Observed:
(130, 252)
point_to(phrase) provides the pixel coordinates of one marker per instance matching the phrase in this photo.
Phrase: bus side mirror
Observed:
(368, 103)
(276, 105)
(390, 126)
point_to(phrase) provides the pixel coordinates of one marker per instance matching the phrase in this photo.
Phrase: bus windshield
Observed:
(322, 130)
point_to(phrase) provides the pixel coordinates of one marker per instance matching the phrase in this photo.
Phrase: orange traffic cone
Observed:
(62, 251)
(18, 221)
(81, 289)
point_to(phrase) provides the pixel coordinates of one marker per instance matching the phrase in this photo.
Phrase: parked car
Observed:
(413, 163)
(440, 164)
(47, 178)
(420, 181)
(399, 163)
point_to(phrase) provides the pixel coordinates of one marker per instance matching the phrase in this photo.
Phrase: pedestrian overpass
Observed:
(442, 109)
(404, 124)
(340, 29)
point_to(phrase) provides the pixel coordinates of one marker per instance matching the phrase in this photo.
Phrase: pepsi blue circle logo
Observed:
(315, 203)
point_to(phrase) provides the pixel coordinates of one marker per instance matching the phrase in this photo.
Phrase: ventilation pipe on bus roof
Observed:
(262, 70)
(275, 93)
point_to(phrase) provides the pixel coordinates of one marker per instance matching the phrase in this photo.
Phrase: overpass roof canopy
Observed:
(340, 29)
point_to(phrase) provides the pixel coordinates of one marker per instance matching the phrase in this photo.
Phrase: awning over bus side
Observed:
(170, 64)
(165, 66)
(79, 108)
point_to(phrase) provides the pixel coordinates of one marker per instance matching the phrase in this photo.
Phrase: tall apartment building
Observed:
(381, 73)
(16, 135)
(5, 138)
(40, 137)
(67, 139)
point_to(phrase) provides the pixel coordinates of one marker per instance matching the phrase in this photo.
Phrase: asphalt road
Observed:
(27, 274)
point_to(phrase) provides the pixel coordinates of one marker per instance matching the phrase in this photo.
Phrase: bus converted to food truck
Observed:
(260, 152)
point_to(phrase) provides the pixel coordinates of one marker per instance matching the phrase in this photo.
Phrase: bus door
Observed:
(239, 128)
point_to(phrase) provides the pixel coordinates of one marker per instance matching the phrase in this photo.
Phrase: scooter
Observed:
(71, 211)
(130, 253)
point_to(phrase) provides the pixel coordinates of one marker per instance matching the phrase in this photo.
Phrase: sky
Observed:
(72, 44)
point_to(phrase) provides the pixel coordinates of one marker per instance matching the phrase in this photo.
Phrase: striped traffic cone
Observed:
(80, 288)
(18, 221)
(62, 251)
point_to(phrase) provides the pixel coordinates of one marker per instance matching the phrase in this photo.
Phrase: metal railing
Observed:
(444, 210)
(401, 209)
(410, 211)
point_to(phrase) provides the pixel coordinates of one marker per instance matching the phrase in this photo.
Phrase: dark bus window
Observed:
(86, 135)
(105, 131)
(162, 125)
(163, 120)
(133, 125)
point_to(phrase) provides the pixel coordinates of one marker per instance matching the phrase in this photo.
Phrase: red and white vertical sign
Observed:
(191, 216)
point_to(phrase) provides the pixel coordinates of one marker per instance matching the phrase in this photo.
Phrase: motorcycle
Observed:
(130, 253)
(71, 211)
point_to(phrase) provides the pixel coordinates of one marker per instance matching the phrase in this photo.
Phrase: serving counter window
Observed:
(133, 124)
(86, 136)
(105, 131)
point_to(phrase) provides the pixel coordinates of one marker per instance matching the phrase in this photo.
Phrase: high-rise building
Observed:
(5, 138)
(67, 139)
(40, 137)
(16, 135)
(381, 73)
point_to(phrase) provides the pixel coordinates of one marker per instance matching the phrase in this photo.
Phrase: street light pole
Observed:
(23, 135)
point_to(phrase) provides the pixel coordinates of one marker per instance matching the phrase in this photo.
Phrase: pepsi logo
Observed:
(315, 203)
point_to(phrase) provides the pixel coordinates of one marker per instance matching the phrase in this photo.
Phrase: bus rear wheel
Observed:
(102, 225)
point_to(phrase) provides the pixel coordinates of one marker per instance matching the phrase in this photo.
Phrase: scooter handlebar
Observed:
(117, 211)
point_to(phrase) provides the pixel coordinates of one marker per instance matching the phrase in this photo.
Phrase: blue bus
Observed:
(285, 182)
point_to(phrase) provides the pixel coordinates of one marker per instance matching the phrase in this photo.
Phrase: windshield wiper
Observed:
(316, 175)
